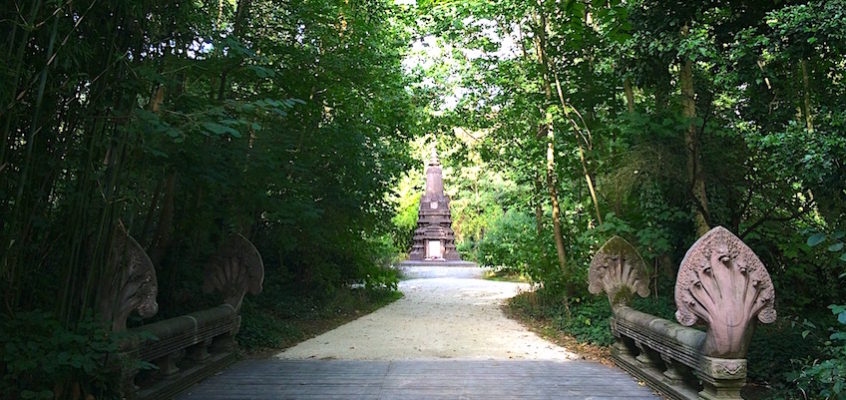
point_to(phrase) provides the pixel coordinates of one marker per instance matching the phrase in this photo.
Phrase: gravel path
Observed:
(446, 313)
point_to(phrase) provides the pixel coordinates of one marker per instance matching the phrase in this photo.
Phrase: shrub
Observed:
(587, 319)
(50, 361)
(511, 244)
(825, 377)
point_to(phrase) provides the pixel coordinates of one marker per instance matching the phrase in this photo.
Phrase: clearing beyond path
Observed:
(445, 339)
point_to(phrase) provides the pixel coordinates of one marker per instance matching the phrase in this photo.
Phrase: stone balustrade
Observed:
(184, 349)
(721, 283)
(187, 348)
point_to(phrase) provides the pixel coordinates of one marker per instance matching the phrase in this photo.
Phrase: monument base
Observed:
(440, 269)
(433, 263)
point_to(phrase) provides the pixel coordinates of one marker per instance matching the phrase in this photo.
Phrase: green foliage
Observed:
(825, 377)
(42, 359)
(512, 245)
(585, 319)
(404, 221)
(663, 306)
(589, 321)
(835, 244)
(553, 95)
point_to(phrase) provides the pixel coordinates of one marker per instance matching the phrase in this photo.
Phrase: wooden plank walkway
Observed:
(419, 379)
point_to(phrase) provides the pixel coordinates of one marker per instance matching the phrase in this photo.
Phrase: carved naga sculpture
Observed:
(129, 282)
(723, 283)
(619, 271)
(235, 270)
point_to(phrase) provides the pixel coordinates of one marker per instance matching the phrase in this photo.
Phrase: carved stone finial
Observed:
(129, 282)
(235, 270)
(619, 271)
(723, 283)
(433, 157)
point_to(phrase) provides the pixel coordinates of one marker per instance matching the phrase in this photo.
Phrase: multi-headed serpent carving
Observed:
(619, 271)
(129, 282)
(235, 270)
(724, 284)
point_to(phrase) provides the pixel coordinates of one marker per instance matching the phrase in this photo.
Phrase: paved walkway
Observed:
(446, 339)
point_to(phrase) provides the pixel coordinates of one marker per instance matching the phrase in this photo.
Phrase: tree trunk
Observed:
(549, 129)
(161, 240)
(663, 86)
(552, 184)
(237, 27)
(582, 159)
(806, 94)
(694, 165)
(627, 87)
(147, 228)
(538, 208)
(157, 99)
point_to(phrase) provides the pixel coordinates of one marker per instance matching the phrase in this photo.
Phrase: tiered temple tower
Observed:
(434, 239)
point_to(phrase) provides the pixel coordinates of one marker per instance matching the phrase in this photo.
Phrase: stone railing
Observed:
(721, 283)
(187, 348)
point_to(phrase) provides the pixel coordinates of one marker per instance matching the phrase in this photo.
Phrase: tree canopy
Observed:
(571, 121)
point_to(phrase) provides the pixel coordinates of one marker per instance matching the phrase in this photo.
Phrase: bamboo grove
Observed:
(185, 121)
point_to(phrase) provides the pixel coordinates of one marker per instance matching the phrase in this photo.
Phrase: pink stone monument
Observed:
(434, 239)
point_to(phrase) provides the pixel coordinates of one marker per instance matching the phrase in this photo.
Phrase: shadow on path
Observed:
(419, 379)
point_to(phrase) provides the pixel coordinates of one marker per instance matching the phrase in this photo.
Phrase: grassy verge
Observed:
(548, 320)
(284, 316)
(505, 276)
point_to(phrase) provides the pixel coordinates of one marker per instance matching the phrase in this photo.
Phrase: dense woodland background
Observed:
(303, 125)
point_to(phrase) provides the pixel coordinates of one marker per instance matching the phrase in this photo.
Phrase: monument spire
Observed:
(434, 239)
